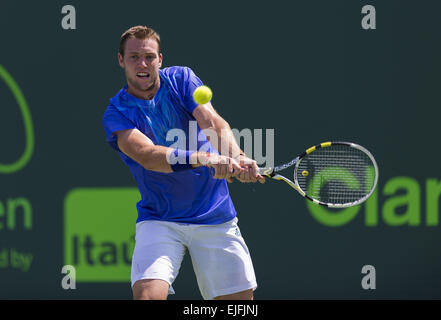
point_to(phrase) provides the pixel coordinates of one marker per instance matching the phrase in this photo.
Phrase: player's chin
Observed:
(143, 85)
(144, 82)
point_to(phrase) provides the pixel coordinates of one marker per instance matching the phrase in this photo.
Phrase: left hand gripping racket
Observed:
(332, 174)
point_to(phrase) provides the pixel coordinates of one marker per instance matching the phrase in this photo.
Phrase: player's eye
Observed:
(134, 57)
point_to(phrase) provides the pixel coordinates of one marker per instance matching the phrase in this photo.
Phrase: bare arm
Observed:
(226, 144)
(140, 148)
(209, 120)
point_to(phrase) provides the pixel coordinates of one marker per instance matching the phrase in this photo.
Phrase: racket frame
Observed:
(272, 173)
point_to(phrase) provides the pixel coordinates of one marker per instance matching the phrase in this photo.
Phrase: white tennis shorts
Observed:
(220, 257)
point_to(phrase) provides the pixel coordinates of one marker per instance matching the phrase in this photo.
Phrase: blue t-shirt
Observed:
(190, 196)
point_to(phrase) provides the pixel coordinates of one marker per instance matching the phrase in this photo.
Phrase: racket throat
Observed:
(268, 172)
(292, 184)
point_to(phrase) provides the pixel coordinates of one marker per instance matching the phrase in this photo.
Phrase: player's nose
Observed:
(143, 63)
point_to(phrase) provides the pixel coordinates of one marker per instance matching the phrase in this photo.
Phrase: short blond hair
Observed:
(139, 32)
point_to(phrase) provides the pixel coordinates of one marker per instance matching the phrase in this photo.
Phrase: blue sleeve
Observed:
(114, 121)
(189, 82)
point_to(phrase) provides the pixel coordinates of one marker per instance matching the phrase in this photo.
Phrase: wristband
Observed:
(182, 159)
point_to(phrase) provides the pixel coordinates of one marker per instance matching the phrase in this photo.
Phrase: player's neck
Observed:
(148, 94)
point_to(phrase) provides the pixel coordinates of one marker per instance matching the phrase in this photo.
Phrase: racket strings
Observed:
(338, 174)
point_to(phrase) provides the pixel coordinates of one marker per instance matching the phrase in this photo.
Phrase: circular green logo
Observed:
(27, 120)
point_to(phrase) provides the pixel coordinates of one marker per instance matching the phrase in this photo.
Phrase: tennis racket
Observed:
(331, 174)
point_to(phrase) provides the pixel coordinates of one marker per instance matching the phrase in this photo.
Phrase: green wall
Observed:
(306, 69)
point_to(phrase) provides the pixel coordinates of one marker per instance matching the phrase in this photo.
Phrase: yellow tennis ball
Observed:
(202, 95)
(305, 173)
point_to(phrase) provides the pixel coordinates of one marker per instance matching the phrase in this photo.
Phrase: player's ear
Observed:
(160, 60)
(121, 60)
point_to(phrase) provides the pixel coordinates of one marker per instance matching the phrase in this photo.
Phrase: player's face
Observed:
(141, 63)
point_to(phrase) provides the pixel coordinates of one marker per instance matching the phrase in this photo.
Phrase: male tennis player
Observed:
(183, 206)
